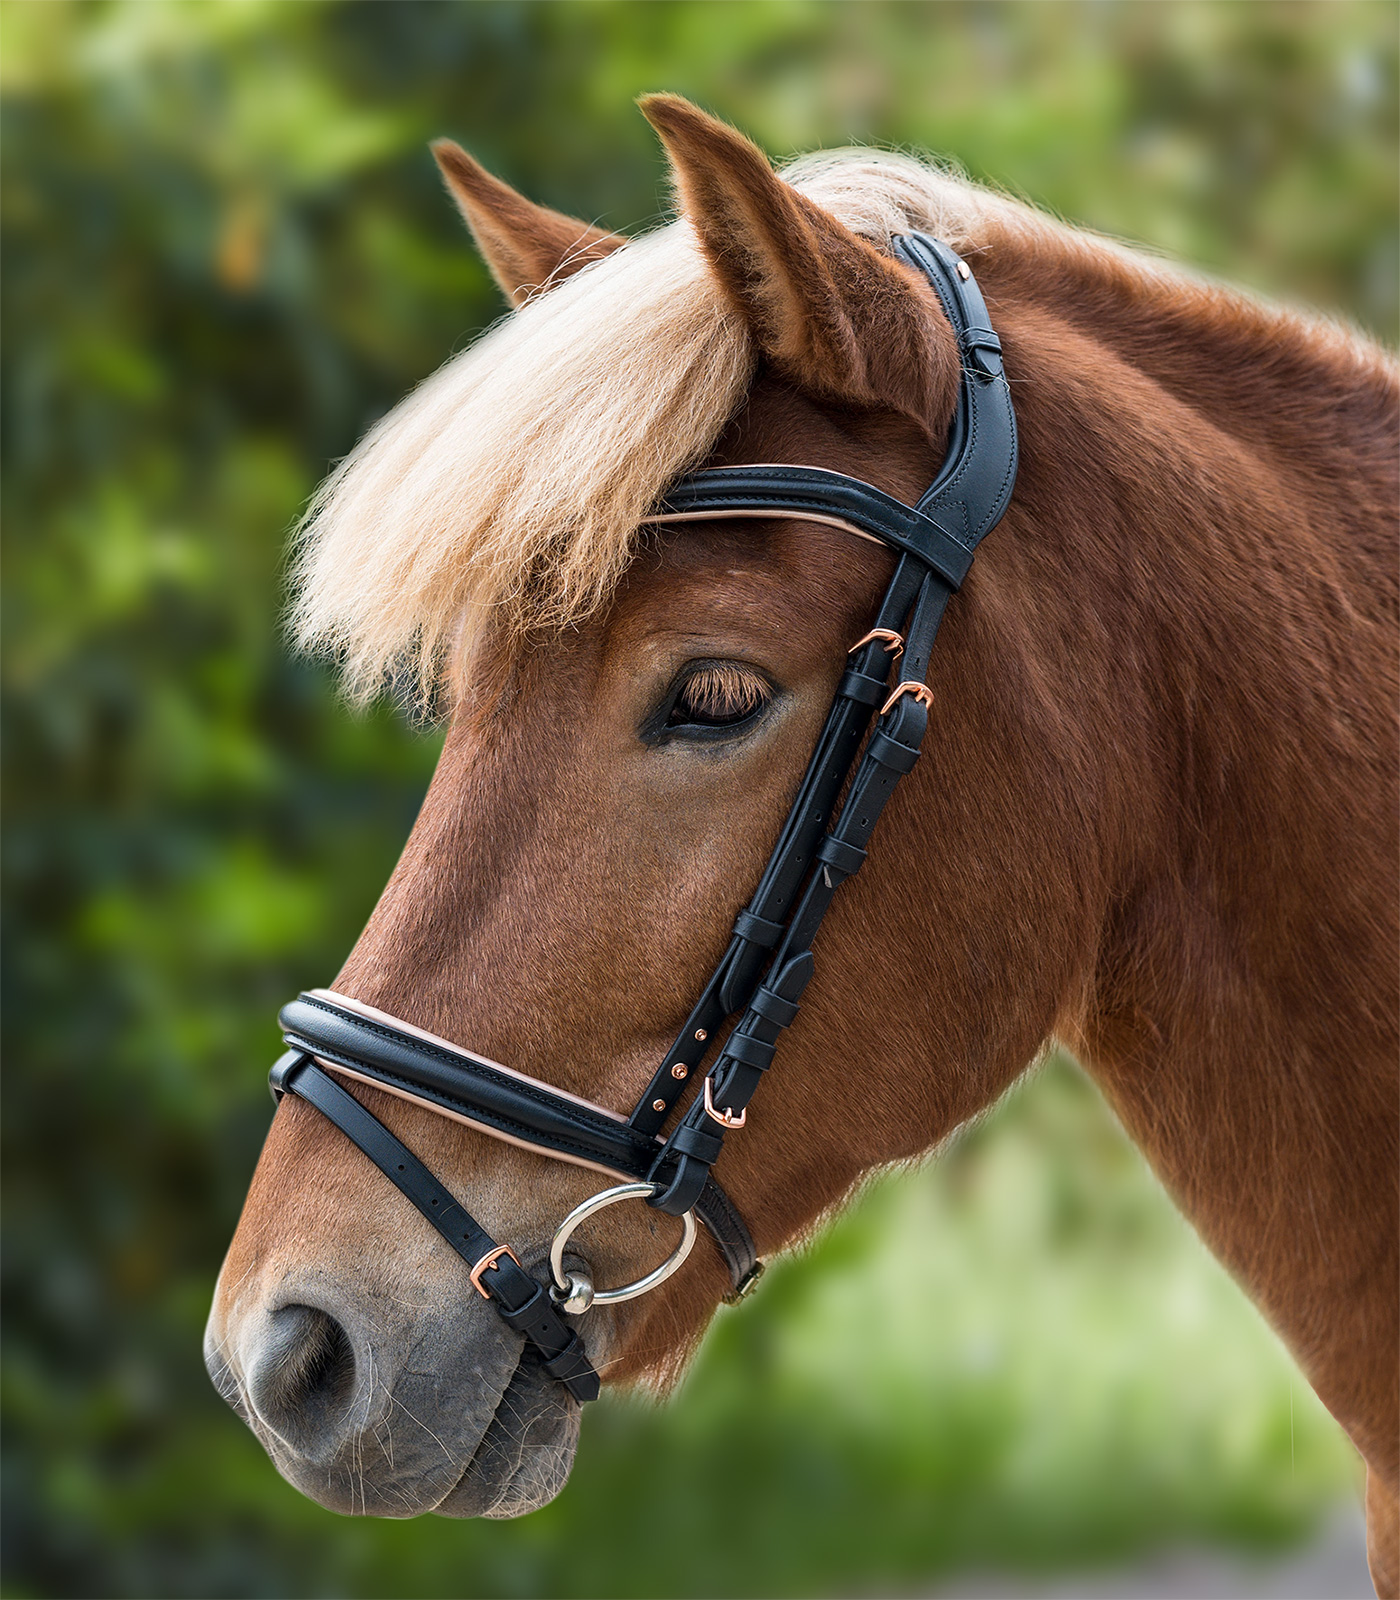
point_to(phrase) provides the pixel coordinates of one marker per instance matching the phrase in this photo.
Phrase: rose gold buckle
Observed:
(920, 691)
(893, 641)
(488, 1261)
(726, 1118)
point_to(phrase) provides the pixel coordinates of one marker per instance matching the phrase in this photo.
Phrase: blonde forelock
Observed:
(506, 495)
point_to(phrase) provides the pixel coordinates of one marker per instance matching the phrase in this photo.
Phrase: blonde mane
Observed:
(508, 491)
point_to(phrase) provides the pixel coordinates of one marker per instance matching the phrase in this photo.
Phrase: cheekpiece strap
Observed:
(936, 540)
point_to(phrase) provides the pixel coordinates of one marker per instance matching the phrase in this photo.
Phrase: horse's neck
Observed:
(1211, 501)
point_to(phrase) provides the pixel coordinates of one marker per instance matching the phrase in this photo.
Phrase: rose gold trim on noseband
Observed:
(920, 691)
(488, 1261)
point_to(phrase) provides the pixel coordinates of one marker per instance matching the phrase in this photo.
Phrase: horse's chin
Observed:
(525, 1455)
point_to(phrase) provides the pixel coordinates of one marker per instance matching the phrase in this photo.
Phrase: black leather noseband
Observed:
(769, 960)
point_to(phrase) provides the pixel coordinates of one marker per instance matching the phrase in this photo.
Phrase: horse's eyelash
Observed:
(723, 691)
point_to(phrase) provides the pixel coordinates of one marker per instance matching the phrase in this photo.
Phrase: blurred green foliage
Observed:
(226, 251)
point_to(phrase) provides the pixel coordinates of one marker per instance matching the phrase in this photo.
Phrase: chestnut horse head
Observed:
(1154, 816)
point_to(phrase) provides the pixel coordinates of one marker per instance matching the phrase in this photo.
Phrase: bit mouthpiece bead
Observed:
(577, 1296)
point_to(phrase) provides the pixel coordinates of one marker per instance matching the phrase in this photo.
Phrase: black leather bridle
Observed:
(769, 960)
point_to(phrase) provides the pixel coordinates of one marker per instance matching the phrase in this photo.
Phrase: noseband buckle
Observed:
(488, 1261)
(725, 1118)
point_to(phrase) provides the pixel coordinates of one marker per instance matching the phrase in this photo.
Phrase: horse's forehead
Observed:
(776, 592)
(747, 579)
(782, 424)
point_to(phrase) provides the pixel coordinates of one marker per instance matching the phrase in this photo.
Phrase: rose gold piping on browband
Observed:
(782, 512)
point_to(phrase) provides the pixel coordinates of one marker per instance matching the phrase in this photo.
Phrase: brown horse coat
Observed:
(1156, 816)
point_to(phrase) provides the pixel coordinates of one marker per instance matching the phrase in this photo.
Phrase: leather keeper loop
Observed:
(281, 1069)
(511, 1287)
(772, 1008)
(982, 352)
(861, 687)
(845, 858)
(702, 1143)
(572, 1368)
(685, 1188)
(752, 1052)
(563, 1351)
(891, 753)
(758, 930)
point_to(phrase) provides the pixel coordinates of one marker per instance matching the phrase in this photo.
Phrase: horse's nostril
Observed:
(302, 1379)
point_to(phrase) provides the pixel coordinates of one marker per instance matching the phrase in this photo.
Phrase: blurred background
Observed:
(226, 252)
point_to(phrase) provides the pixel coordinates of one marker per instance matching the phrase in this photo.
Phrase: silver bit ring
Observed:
(576, 1287)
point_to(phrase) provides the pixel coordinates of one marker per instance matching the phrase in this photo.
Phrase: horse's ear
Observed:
(827, 309)
(528, 248)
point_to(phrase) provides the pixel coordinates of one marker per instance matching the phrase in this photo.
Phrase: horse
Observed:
(1155, 817)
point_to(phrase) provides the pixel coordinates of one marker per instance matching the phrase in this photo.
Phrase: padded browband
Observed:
(825, 496)
(503, 1102)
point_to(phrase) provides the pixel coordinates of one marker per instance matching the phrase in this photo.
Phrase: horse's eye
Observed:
(718, 695)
